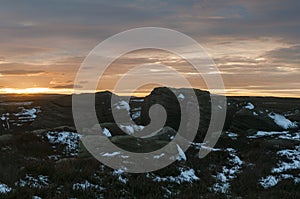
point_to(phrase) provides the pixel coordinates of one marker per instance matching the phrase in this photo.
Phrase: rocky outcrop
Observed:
(170, 99)
(250, 120)
(246, 119)
(58, 112)
(155, 142)
(241, 117)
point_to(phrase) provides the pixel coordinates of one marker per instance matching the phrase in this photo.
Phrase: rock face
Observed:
(170, 101)
(246, 119)
(159, 140)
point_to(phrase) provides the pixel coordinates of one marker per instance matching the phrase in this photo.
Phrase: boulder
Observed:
(133, 144)
(253, 120)
(170, 99)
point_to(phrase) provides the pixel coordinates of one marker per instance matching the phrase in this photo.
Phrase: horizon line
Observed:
(67, 91)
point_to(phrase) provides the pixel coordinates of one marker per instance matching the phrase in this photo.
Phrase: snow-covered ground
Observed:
(131, 129)
(181, 155)
(5, 121)
(87, 185)
(186, 175)
(203, 146)
(158, 156)
(138, 100)
(122, 105)
(27, 115)
(232, 135)
(70, 141)
(136, 113)
(291, 136)
(228, 173)
(279, 135)
(20, 117)
(106, 132)
(32, 182)
(282, 121)
(260, 134)
(293, 155)
(111, 154)
(4, 188)
(284, 169)
(181, 97)
(249, 106)
(121, 173)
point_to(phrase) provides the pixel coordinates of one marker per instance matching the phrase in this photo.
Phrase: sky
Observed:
(255, 44)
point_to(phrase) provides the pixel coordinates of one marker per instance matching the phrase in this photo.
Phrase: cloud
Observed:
(67, 86)
(253, 42)
(285, 55)
(21, 72)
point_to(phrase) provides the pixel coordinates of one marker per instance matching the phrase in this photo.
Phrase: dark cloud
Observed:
(67, 86)
(100, 19)
(285, 55)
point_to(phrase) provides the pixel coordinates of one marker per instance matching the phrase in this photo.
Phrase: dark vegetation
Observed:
(25, 150)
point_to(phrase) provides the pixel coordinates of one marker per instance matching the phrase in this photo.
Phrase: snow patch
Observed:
(28, 115)
(269, 181)
(289, 136)
(266, 134)
(158, 156)
(202, 146)
(137, 100)
(228, 172)
(187, 175)
(294, 160)
(136, 114)
(87, 185)
(4, 188)
(282, 121)
(131, 129)
(111, 154)
(249, 106)
(168, 192)
(181, 97)
(5, 121)
(106, 132)
(69, 139)
(39, 182)
(232, 135)
(119, 173)
(181, 154)
(122, 105)
(291, 163)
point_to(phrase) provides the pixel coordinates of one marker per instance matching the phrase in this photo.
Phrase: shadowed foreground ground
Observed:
(258, 154)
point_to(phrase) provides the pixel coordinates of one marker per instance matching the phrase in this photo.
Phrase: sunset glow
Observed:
(254, 44)
(35, 91)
